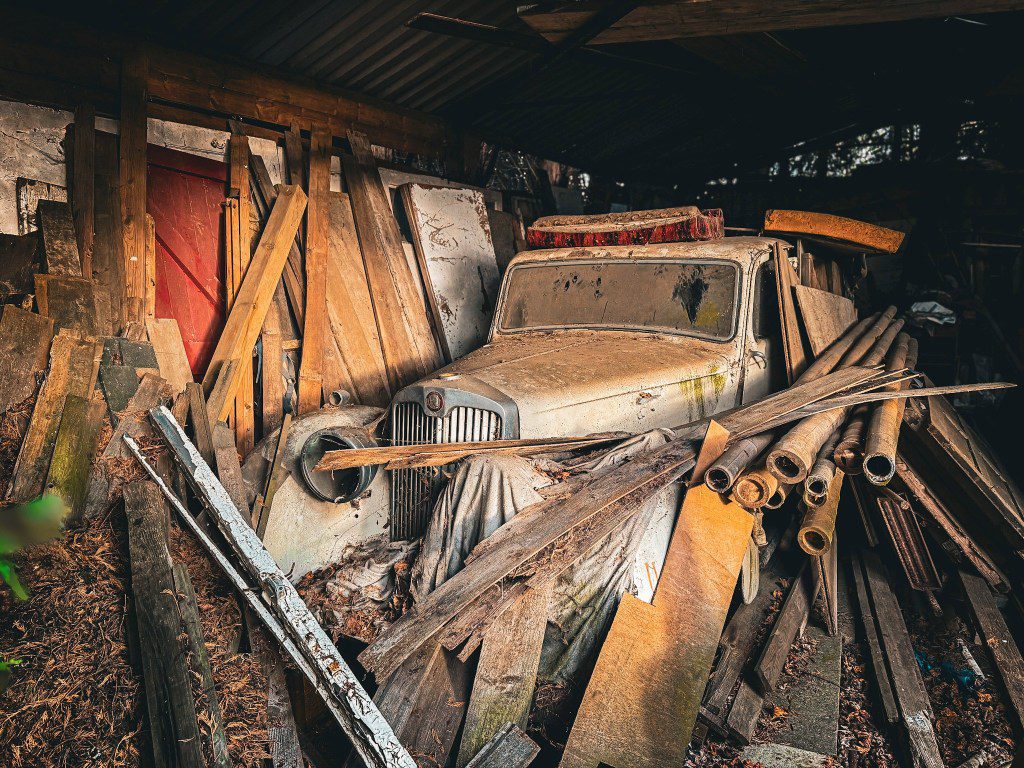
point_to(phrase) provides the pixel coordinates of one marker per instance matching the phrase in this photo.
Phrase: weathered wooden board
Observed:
(107, 258)
(998, 640)
(72, 371)
(353, 357)
(911, 696)
(641, 704)
(847, 233)
(506, 674)
(869, 623)
(826, 316)
(69, 301)
(60, 246)
(452, 238)
(132, 178)
(24, 349)
(82, 173)
(28, 193)
(171, 360)
(408, 342)
(73, 452)
(792, 340)
(510, 748)
(170, 705)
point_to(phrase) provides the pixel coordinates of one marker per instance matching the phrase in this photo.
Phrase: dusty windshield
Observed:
(696, 298)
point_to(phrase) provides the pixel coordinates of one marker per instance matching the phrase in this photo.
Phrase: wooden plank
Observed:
(199, 663)
(254, 297)
(681, 18)
(170, 706)
(788, 624)
(108, 259)
(871, 635)
(506, 674)
(132, 142)
(354, 361)
(60, 245)
(510, 748)
(69, 301)
(71, 372)
(83, 184)
(792, 340)
(826, 316)
(240, 252)
(229, 469)
(654, 664)
(999, 641)
(271, 371)
(73, 452)
(911, 696)
(165, 336)
(361, 720)
(452, 240)
(847, 233)
(310, 386)
(202, 431)
(24, 349)
(410, 349)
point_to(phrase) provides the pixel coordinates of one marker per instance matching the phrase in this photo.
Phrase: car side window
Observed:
(766, 302)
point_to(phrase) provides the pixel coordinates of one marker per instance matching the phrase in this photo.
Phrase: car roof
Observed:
(738, 249)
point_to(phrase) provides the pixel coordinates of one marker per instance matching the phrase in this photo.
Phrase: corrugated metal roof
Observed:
(687, 111)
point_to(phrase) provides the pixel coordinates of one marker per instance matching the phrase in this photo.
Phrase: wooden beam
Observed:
(788, 623)
(132, 179)
(999, 641)
(869, 622)
(684, 18)
(317, 225)
(510, 748)
(73, 452)
(840, 231)
(60, 245)
(170, 705)
(241, 254)
(83, 183)
(253, 299)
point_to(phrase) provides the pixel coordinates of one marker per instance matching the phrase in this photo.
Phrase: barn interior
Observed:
(453, 383)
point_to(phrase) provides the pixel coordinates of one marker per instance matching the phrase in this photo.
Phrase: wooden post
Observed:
(149, 270)
(317, 223)
(83, 183)
(170, 705)
(241, 254)
(134, 73)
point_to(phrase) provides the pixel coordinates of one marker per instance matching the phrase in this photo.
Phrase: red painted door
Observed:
(185, 196)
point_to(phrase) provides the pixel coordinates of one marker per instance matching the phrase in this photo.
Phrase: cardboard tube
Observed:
(779, 497)
(824, 469)
(721, 475)
(818, 528)
(849, 451)
(754, 488)
(884, 427)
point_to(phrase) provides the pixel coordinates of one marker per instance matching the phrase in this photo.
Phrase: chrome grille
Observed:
(413, 491)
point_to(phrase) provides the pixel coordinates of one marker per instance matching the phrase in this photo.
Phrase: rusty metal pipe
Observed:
(721, 475)
(824, 469)
(849, 451)
(754, 487)
(793, 456)
(830, 357)
(883, 429)
(818, 527)
(779, 497)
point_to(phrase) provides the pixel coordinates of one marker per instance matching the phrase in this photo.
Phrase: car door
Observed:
(763, 366)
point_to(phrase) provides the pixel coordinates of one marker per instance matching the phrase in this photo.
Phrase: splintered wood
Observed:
(642, 700)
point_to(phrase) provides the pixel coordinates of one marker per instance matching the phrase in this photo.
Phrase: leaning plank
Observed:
(911, 696)
(510, 748)
(792, 340)
(253, 298)
(132, 179)
(361, 720)
(998, 640)
(653, 667)
(71, 372)
(73, 452)
(826, 316)
(83, 183)
(199, 662)
(410, 349)
(788, 624)
(170, 705)
(353, 339)
(870, 625)
(60, 246)
(171, 360)
(107, 256)
(506, 674)
(24, 347)
(69, 301)
(310, 385)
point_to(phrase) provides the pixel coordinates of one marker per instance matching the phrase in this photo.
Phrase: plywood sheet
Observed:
(826, 316)
(641, 704)
(455, 252)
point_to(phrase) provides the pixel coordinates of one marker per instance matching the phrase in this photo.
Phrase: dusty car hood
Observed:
(563, 370)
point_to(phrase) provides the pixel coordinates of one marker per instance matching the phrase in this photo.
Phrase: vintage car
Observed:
(583, 340)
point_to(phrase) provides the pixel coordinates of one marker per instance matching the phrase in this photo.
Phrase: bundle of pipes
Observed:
(761, 471)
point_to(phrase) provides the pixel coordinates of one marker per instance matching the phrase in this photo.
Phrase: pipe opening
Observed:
(815, 541)
(879, 467)
(718, 479)
(786, 466)
(816, 486)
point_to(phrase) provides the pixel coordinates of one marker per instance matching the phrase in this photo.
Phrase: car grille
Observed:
(413, 491)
